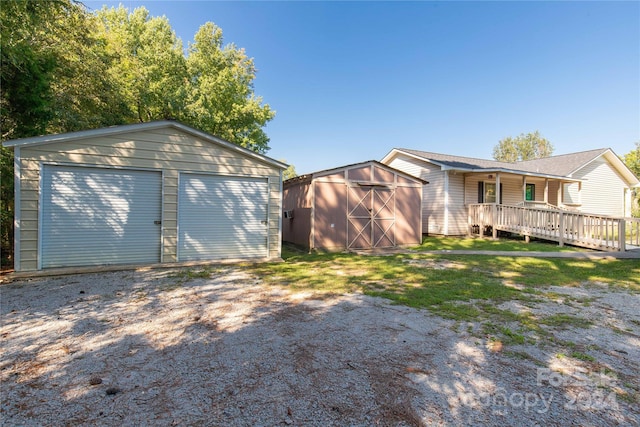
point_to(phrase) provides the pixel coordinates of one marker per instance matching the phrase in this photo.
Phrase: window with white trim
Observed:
(530, 193)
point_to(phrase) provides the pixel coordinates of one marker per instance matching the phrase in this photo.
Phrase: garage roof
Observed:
(137, 127)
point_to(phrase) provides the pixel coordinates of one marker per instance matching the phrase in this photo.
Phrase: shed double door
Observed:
(371, 217)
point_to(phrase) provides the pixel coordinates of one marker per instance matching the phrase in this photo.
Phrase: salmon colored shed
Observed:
(361, 206)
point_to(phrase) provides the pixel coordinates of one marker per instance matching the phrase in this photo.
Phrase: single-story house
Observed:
(359, 206)
(157, 192)
(595, 182)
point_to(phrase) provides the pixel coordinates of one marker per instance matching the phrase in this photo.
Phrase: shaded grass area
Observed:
(403, 278)
(446, 284)
(543, 272)
(469, 290)
(516, 243)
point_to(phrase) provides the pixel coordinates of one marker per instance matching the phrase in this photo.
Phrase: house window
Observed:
(486, 192)
(489, 192)
(530, 193)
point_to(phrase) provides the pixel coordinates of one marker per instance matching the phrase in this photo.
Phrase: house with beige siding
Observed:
(158, 192)
(595, 182)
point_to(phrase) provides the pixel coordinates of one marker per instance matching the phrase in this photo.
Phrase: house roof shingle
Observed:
(562, 165)
(459, 161)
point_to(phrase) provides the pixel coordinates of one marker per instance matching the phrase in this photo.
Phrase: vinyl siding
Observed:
(458, 214)
(512, 192)
(168, 150)
(603, 189)
(432, 193)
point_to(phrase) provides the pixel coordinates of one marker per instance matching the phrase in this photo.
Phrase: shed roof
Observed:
(310, 176)
(138, 127)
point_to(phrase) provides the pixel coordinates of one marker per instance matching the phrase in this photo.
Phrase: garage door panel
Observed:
(94, 216)
(222, 217)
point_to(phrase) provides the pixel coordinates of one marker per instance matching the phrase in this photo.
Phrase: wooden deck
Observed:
(562, 226)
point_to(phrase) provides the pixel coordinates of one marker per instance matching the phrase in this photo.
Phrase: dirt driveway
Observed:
(159, 347)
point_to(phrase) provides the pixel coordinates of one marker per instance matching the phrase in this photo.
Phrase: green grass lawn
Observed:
(474, 276)
(466, 289)
(504, 244)
(440, 282)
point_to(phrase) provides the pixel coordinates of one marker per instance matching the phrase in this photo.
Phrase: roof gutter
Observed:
(512, 171)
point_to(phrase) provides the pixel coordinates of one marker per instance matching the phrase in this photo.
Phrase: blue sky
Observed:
(352, 80)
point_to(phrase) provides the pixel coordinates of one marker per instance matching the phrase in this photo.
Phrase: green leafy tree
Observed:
(632, 160)
(65, 69)
(289, 172)
(211, 89)
(53, 70)
(85, 96)
(523, 147)
(28, 61)
(146, 62)
(6, 207)
(221, 98)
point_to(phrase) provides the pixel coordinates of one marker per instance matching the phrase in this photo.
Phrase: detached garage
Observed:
(158, 192)
(362, 206)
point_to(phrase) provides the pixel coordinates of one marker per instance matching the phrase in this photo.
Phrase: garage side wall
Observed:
(168, 150)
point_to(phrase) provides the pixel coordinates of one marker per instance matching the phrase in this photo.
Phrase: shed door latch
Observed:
(157, 222)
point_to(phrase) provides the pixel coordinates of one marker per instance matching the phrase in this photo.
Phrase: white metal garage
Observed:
(97, 216)
(222, 217)
(142, 193)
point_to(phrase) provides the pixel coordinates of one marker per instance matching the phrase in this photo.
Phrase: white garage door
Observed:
(96, 216)
(222, 217)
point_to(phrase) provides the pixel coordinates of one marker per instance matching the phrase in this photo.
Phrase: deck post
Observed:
(546, 191)
(494, 216)
(561, 229)
(622, 238)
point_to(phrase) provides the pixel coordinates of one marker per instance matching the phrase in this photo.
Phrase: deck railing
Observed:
(632, 232)
(570, 227)
(543, 205)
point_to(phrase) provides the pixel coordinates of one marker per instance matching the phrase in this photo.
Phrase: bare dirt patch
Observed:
(164, 348)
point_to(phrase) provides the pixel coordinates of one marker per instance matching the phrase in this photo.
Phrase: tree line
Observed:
(65, 68)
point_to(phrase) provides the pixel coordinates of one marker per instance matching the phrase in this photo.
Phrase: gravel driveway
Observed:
(157, 347)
